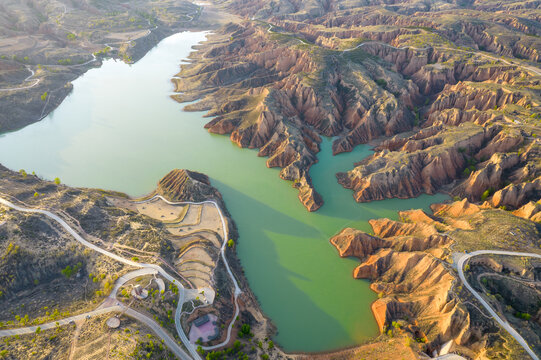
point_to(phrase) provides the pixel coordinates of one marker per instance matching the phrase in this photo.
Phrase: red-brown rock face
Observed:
(279, 86)
(423, 164)
(352, 242)
(185, 185)
(414, 284)
(279, 98)
(513, 196)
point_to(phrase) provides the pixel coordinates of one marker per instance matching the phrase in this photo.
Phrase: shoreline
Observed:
(62, 87)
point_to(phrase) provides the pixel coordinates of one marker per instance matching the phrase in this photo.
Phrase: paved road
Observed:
(129, 276)
(149, 267)
(460, 267)
(32, 73)
(94, 58)
(111, 305)
(65, 321)
(238, 291)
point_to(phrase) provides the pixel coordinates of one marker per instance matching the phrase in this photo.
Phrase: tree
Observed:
(245, 331)
(230, 243)
(44, 96)
(57, 181)
(381, 82)
(271, 345)
(36, 194)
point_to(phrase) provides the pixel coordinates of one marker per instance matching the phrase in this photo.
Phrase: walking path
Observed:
(110, 305)
(237, 292)
(148, 267)
(144, 269)
(460, 267)
(32, 73)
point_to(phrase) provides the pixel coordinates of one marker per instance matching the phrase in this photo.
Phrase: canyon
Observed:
(365, 110)
(447, 96)
(410, 264)
(280, 83)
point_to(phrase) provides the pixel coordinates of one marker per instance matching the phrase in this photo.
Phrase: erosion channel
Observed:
(120, 130)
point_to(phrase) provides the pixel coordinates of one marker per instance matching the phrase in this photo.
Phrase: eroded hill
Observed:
(458, 83)
(410, 263)
(48, 276)
(44, 45)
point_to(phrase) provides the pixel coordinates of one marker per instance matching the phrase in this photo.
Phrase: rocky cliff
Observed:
(409, 264)
(185, 185)
(403, 261)
(268, 92)
(361, 73)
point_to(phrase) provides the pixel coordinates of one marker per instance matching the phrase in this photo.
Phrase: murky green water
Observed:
(119, 130)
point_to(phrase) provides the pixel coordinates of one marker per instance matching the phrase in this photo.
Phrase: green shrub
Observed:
(381, 82)
(485, 195)
(523, 316)
(245, 331)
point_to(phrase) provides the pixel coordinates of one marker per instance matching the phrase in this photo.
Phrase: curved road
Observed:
(110, 305)
(144, 270)
(238, 291)
(36, 81)
(460, 267)
(157, 268)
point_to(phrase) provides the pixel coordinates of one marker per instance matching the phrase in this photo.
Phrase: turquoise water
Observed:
(119, 130)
